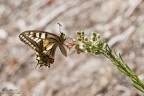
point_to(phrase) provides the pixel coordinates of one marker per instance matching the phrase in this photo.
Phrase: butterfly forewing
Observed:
(44, 44)
(63, 50)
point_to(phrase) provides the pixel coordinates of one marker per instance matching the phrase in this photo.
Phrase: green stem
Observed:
(137, 83)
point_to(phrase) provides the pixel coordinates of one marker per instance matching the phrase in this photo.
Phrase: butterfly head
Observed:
(62, 36)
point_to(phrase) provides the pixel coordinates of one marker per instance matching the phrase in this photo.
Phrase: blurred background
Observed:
(120, 23)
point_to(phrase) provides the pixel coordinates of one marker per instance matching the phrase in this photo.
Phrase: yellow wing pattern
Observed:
(44, 44)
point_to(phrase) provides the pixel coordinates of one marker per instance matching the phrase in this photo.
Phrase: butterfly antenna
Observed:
(60, 26)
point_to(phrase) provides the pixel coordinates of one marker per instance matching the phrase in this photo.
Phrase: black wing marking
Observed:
(44, 44)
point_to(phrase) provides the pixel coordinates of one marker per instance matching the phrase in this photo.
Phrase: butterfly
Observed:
(44, 44)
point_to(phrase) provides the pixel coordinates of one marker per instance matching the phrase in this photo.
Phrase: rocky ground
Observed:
(120, 23)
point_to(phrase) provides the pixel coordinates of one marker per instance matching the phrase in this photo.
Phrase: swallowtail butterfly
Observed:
(44, 44)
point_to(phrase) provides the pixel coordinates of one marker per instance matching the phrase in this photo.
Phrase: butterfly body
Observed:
(44, 44)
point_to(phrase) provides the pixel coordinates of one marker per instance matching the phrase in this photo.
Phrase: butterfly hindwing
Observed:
(44, 44)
